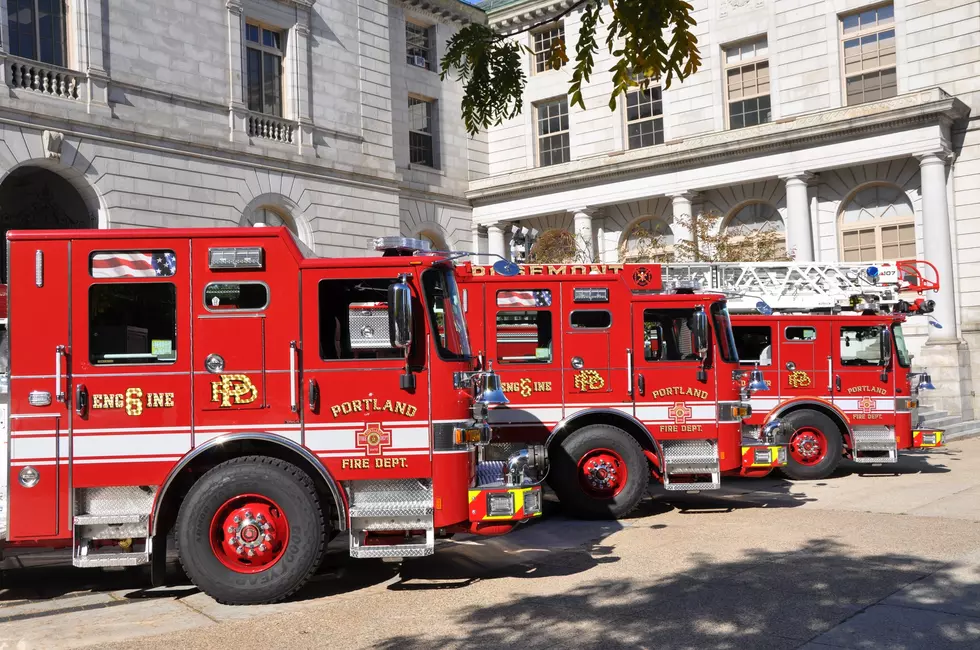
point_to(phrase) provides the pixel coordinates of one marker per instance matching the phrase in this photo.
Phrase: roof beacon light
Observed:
(688, 285)
(763, 308)
(872, 272)
(400, 246)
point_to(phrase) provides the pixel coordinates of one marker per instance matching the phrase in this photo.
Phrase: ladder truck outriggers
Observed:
(830, 337)
(617, 380)
(230, 387)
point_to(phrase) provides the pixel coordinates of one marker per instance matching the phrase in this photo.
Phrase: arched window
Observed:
(270, 216)
(878, 223)
(757, 231)
(436, 242)
(649, 240)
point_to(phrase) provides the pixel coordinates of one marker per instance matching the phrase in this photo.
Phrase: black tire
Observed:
(291, 490)
(799, 421)
(565, 473)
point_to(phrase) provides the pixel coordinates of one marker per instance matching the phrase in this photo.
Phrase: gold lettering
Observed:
(356, 404)
(557, 270)
(536, 269)
(134, 405)
(387, 406)
(168, 400)
(411, 410)
(335, 410)
(96, 401)
(479, 271)
(577, 269)
(400, 408)
(118, 400)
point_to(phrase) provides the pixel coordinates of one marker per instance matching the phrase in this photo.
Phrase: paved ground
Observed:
(885, 559)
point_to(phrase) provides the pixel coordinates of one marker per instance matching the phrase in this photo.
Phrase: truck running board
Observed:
(691, 465)
(391, 518)
(874, 445)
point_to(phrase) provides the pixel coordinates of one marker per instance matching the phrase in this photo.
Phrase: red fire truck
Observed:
(831, 336)
(231, 387)
(618, 380)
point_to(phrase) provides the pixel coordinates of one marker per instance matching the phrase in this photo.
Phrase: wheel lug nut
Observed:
(240, 550)
(261, 547)
(231, 529)
(237, 519)
(267, 538)
(248, 514)
(251, 553)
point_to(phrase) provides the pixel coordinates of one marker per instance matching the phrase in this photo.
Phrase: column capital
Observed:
(235, 6)
(494, 227)
(690, 195)
(583, 210)
(804, 177)
(934, 157)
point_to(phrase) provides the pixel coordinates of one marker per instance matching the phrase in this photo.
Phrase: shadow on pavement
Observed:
(762, 600)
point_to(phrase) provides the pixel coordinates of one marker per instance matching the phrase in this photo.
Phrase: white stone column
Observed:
(682, 208)
(237, 110)
(936, 242)
(495, 242)
(480, 244)
(584, 235)
(88, 30)
(299, 85)
(799, 225)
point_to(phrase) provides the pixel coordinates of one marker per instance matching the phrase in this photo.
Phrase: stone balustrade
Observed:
(44, 79)
(272, 128)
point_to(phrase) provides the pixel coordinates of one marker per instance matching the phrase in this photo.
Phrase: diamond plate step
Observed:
(394, 550)
(111, 559)
(874, 446)
(392, 509)
(94, 520)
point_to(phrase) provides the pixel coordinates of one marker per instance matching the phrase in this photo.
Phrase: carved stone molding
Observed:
(51, 141)
(729, 7)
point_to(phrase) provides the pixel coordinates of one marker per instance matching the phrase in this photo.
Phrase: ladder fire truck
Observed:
(831, 337)
(230, 388)
(618, 379)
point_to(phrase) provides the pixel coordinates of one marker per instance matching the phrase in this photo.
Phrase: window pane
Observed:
(251, 296)
(668, 335)
(591, 319)
(133, 264)
(51, 25)
(21, 23)
(524, 336)
(801, 334)
(861, 346)
(133, 323)
(753, 343)
(544, 41)
(354, 320)
(253, 62)
(272, 84)
(417, 44)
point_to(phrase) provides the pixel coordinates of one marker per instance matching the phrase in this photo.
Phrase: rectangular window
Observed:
(421, 149)
(753, 343)
(132, 323)
(644, 117)
(37, 30)
(868, 41)
(263, 72)
(747, 84)
(133, 264)
(543, 41)
(801, 334)
(552, 126)
(668, 336)
(418, 45)
(354, 320)
(861, 346)
(590, 319)
(237, 296)
(524, 336)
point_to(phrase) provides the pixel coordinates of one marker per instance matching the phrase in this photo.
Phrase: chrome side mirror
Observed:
(701, 332)
(400, 313)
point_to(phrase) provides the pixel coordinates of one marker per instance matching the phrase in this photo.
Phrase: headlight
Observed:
(532, 502)
(762, 456)
(500, 504)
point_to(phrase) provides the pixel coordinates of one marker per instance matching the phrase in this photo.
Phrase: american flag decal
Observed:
(144, 264)
(539, 298)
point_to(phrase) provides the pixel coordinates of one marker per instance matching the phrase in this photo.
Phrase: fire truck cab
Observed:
(618, 380)
(228, 385)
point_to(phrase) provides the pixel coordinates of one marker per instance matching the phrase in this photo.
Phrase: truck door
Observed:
(669, 398)
(862, 373)
(246, 336)
(39, 421)
(595, 342)
(803, 369)
(524, 341)
(757, 342)
(130, 360)
(359, 419)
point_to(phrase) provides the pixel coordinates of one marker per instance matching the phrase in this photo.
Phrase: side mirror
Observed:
(400, 313)
(886, 346)
(701, 332)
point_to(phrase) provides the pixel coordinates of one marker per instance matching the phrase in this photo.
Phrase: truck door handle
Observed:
(837, 382)
(59, 354)
(314, 394)
(641, 384)
(81, 400)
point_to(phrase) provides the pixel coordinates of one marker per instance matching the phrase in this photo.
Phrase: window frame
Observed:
(538, 136)
(580, 328)
(557, 26)
(263, 49)
(877, 224)
(754, 61)
(431, 134)
(65, 34)
(786, 330)
(882, 361)
(627, 122)
(841, 37)
(429, 47)
(268, 296)
(400, 356)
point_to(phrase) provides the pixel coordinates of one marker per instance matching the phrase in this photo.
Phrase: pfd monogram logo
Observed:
(589, 380)
(799, 379)
(233, 389)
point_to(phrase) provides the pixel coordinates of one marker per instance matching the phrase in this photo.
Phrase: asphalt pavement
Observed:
(874, 557)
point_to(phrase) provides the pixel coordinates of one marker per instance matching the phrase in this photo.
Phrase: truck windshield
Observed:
(901, 350)
(723, 329)
(446, 314)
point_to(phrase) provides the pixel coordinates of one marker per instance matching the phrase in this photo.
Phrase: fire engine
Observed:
(831, 335)
(228, 387)
(618, 380)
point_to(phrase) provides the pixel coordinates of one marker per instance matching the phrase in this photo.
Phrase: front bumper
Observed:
(927, 438)
(505, 504)
(763, 456)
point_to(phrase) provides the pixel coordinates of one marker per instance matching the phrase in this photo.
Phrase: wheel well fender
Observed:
(823, 408)
(618, 419)
(217, 450)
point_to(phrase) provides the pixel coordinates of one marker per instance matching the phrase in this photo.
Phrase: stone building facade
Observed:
(122, 113)
(849, 127)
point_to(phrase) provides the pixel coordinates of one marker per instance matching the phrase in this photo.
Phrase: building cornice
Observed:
(933, 104)
(446, 10)
(515, 17)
